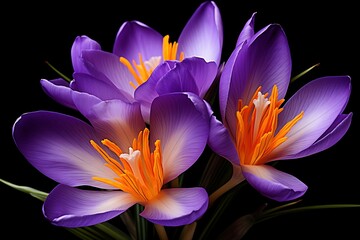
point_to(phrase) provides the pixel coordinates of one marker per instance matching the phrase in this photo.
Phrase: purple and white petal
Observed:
(204, 73)
(146, 92)
(263, 61)
(228, 105)
(274, 184)
(183, 130)
(71, 207)
(117, 121)
(135, 37)
(176, 206)
(202, 36)
(82, 43)
(221, 142)
(336, 131)
(59, 90)
(59, 147)
(322, 100)
(110, 66)
(178, 79)
(104, 90)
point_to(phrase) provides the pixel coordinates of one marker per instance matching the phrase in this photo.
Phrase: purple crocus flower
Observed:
(257, 128)
(119, 160)
(138, 51)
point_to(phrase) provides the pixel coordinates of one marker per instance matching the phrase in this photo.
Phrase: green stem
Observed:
(161, 232)
(129, 223)
(236, 178)
(141, 224)
(188, 231)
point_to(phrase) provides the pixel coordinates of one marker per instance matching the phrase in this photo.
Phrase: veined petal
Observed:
(117, 121)
(228, 104)
(204, 73)
(146, 92)
(71, 207)
(221, 143)
(177, 206)
(322, 100)
(59, 147)
(263, 61)
(248, 31)
(202, 36)
(82, 43)
(182, 129)
(336, 131)
(103, 90)
(135, 37)
(178, 79)
(59, 90)
(109, 64)
(273, 183)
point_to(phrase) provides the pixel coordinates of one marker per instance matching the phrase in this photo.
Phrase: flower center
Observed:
(139, 172)
(141, 71)
(256, 133)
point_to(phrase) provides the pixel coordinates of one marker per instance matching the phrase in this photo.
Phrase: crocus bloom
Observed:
(121, 162)
(138, 50)
(257, 128)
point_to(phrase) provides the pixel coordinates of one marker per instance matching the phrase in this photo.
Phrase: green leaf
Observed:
(272, 214)
(32, 191)
(58, 72)
(304, 72)
(102, 231)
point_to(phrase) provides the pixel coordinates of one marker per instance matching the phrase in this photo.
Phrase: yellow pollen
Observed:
(141, 71)
(257, 123)
(139, 172)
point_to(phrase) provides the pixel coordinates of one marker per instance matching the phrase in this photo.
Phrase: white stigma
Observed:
(261, 104)
(131, 156)
(153, 62)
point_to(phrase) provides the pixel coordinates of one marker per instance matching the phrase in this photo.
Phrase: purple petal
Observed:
(221, 143)
(265, 62)
(204, 73)
(82, 43)
(202, 36)
(177, 206)
(225, 103)
(248, 30)
(135, 37)
(103, 90)
(178, 79)
(335, 132)
(322, 100)
(70, 207)
(110, 66)
(273, 183)
(182, 129)
(59, 147)
(115, 120)
(59, 90)
(146, 92)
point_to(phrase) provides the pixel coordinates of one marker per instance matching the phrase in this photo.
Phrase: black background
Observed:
(322, 33)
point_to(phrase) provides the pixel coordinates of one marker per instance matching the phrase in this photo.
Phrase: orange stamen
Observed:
(256, 136)
(139, 172)
(141, 71)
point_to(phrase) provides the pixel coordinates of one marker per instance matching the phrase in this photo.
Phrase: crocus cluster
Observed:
(147, 119)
